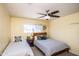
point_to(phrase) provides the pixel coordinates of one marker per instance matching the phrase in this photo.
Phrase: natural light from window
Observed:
(31, 28)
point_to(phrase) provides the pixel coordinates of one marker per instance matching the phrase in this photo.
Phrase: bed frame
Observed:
(41, 33)
(65, 50)
(56, 53)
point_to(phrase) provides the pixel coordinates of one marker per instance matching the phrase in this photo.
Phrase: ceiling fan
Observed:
(49, 14)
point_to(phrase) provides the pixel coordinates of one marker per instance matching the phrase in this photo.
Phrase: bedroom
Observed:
(14, 19)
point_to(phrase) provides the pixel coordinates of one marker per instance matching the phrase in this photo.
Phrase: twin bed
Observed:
(48, 47)
(18, 49)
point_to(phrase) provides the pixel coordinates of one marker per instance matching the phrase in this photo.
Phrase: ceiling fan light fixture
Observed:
(47, 17)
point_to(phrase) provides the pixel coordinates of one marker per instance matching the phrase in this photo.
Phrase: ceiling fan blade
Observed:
(54, 12)
(55, 16)
(41, 14)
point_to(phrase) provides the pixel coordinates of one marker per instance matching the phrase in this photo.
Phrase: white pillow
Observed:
(35, 38)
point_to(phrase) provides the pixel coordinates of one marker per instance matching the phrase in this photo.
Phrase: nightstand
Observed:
(30, 42)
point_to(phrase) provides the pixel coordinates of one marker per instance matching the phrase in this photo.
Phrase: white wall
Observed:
(66, 29)
(17, 26)
(4, 28)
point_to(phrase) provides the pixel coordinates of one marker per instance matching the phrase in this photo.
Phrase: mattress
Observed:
(50, 46)
(18, 49)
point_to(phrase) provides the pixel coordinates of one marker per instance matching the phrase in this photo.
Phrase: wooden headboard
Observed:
(36, 34)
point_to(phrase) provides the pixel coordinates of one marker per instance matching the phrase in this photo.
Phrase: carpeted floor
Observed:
(39, 53)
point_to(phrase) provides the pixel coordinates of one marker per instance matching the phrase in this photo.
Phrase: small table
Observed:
(30, 42)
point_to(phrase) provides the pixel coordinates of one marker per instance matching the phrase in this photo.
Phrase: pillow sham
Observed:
(42, 37)
(18, 39)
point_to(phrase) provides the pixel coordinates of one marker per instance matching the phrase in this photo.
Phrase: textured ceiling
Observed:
(30, 10)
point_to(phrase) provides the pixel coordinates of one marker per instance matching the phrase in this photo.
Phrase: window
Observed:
(30, 28)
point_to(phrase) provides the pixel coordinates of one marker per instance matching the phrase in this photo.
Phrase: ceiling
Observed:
(30, 10)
